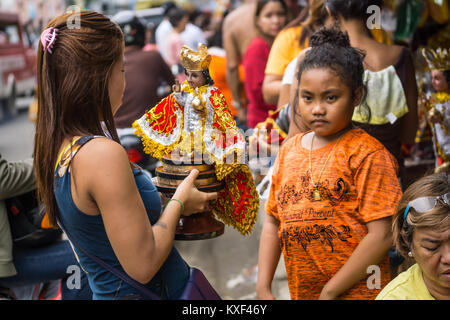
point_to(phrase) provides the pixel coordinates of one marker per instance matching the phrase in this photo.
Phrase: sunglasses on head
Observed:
(424, 204)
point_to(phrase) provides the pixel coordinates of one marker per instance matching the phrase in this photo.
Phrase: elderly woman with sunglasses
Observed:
(421, 230)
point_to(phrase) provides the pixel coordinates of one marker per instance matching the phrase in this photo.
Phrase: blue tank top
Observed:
(89, 232)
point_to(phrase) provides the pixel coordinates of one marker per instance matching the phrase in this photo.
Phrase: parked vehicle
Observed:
(17, 63)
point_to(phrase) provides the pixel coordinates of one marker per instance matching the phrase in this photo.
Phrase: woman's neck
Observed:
(357, 31)
(267, 38)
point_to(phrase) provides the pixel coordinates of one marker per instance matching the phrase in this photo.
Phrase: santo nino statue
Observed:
(195, 123)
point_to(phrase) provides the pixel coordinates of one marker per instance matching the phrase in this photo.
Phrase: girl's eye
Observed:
(307, 98)
(331, 98)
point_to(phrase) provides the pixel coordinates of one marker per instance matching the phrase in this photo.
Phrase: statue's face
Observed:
(195, 78)
(438, 80)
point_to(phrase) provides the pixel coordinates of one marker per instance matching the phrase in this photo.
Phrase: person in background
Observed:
(192, 34)
(218, 66)
(19, 266)
(421, 231)
(144, 73)
(270, 18)
(164, 28)
(288, 44)
(238, 31)
(178, 19)
(150, 43)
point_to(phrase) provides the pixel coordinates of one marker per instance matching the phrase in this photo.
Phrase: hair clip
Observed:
(48, 38)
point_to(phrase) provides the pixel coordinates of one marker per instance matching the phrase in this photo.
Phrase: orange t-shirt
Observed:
(358, 185)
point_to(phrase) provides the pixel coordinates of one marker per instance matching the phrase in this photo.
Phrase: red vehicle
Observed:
(17, 62)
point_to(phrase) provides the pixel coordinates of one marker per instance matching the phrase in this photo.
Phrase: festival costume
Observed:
(358, 185)
(176, 127)
(438, 106)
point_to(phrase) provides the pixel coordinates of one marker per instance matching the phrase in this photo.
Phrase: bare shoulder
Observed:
(386, 55)
(99, 154)
(238, 13)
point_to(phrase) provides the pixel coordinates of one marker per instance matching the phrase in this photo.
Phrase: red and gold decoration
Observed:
(196, 125)
(438, 108)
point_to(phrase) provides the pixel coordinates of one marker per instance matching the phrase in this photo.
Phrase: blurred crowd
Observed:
(254, 46)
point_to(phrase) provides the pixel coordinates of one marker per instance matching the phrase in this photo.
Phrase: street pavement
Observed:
(229, 261)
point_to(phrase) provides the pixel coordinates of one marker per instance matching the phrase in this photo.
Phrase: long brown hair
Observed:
(72, 91)
(311, 18)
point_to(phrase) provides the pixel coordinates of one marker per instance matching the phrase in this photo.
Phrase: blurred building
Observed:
(34, 13)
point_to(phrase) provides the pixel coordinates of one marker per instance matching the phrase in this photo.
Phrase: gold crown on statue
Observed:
(195, 60)
(437, 59)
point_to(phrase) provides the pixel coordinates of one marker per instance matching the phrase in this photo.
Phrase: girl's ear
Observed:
(357, 96)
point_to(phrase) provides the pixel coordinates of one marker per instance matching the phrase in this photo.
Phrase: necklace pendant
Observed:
(316, 195)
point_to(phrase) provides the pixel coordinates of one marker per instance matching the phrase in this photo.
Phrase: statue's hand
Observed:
(176, 87)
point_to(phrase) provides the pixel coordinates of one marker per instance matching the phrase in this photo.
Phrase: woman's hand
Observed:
(194, 200)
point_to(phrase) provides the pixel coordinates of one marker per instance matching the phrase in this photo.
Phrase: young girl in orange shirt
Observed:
(334, 188)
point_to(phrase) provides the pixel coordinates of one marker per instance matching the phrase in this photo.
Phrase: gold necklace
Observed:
(316, 192)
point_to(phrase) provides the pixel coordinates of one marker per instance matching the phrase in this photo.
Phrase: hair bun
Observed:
(332, 36)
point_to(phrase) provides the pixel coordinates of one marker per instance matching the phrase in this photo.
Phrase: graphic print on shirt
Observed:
(298, 227)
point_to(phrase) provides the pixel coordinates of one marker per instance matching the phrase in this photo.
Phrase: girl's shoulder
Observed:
(358, 147)
(360, 141)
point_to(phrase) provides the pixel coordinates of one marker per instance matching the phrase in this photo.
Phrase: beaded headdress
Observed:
(195, 60)
(437, 59)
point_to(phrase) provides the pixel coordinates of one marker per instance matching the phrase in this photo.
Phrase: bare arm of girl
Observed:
(140, 248)
(370, 251)
(268, 258)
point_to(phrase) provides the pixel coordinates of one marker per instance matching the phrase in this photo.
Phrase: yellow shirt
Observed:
(284, 49)
(408, 285)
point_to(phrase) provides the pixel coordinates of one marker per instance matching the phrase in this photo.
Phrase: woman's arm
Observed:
(16, 178)
(140, 248)
(370, 251)
(284, 96)
(268, 258)
(271, 88)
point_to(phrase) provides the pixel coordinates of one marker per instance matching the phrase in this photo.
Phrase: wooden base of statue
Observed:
(198, 226)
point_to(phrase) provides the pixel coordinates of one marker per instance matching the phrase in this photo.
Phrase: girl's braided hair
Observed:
(331, 49)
